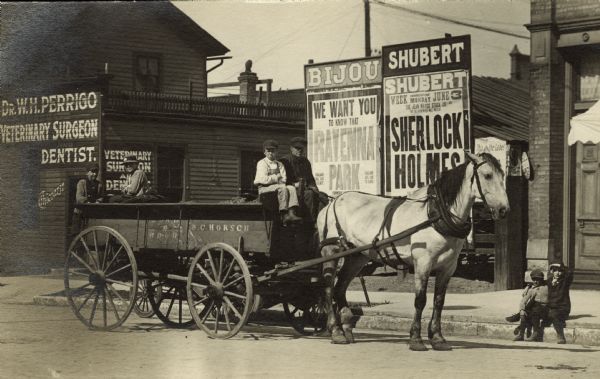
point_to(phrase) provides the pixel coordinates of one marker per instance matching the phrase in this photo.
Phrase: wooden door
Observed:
(587, 216)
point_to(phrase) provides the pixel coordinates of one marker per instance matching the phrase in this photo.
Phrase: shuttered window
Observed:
(147, 73)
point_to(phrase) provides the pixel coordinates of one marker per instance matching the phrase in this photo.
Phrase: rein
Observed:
(476, 177)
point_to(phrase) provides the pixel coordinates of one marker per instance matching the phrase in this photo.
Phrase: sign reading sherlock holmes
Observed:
(64, 126)
(426, 111)
(343, 114)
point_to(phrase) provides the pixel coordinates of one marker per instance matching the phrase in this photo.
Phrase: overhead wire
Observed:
(349, 35)
(446, 19)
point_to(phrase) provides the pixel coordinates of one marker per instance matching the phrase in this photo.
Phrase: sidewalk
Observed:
(479, 314)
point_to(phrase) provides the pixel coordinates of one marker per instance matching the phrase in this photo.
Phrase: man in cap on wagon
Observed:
(136, 181)
(300, 175)
(271, 176)
(88, 191)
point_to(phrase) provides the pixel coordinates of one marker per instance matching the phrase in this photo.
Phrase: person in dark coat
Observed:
(559, 300)
(300, 175)
(88, 191)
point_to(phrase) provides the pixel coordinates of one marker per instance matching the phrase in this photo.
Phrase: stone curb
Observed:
(484, 327)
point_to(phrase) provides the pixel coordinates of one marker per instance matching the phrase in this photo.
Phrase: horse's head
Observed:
(487, 183)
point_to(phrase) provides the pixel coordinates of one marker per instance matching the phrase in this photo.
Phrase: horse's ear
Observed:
(472, 157)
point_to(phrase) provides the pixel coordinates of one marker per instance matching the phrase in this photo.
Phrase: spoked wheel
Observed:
(308, 320)
(142, 306)
(100, 278)
(219, 290)
(168, 300)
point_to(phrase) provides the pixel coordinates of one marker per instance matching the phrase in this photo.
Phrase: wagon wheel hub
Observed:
(97, 278)
(216, 291)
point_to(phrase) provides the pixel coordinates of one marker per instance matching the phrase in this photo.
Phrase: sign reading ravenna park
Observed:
(426, 105)
(343, 116)
(64, 126)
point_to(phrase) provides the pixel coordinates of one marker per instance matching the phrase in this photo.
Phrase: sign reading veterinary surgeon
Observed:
(343, 118)
(114, 155)
(426, 106)
(64, 126)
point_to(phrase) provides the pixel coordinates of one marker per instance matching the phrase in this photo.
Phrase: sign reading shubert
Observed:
(343, 116)
(426, 111)
(64, 126)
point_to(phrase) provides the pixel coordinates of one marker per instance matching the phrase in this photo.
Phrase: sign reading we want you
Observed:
(343, 117)
(426, 103)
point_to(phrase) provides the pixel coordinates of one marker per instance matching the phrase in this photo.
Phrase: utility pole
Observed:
(367, 29)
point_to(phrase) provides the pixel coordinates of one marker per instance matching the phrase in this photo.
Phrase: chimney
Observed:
(519, 65)
(248, 81)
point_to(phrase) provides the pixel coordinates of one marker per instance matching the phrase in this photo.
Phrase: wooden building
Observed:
(87, 84)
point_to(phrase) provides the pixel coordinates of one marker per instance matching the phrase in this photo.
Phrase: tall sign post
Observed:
(427, 108)
(343, 122)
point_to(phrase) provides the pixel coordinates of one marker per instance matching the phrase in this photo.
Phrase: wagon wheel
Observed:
(168, 300)
(219, 290)
(142, 306)
(308, 320)
(100, 278)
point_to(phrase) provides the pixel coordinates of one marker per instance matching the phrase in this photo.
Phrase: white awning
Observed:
(586, 126)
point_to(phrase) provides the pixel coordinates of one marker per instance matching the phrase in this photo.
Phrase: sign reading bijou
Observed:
(426, 109)
(343, 113)
(64, 126)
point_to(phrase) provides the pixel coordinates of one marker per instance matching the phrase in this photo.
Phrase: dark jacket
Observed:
(298, 168)
(558, 293)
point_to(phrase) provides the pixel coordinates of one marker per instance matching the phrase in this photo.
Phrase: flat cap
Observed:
(299, 142)
(270, 144)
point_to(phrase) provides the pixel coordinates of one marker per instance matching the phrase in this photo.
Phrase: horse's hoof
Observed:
(338, 337)
(441, 345)
(348, 334)
(417, 345)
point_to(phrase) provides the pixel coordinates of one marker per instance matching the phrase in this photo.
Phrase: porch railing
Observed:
(131, 101)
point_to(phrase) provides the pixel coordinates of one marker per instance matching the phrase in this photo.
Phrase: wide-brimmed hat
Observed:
(130, 159)
(298, 142)
(270, 144)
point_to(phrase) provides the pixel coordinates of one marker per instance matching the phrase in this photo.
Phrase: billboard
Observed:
(426, 107)
(343, 122)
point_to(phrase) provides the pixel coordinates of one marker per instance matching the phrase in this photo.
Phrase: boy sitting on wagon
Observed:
(271, 177)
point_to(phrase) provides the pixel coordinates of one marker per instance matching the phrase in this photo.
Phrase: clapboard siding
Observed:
(213, 149)
(180, 62)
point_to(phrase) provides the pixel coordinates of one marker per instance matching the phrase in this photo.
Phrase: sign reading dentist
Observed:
(426, 103)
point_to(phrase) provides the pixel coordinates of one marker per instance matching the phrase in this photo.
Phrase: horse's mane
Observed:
(450, 181)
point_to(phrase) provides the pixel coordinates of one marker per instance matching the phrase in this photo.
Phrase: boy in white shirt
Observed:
(271, 177)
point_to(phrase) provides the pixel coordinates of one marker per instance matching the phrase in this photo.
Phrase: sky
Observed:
(281, 36)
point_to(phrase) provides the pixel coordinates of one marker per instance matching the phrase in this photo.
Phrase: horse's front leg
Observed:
(352, 266)
(333, 323)
(422, 270)
(434, 332)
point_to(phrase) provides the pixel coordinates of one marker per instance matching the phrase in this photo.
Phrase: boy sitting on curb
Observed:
(532, 308)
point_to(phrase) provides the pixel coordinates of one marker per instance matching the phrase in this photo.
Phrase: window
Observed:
(248, 171)
(169, 172)
(147, 73)
(589, 77)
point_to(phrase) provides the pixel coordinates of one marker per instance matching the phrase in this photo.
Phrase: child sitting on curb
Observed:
(559, 301)
(532, 308)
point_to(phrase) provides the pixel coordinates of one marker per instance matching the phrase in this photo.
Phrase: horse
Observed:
(360, 219)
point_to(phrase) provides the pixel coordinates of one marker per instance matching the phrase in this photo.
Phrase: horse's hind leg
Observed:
(434, 332)
(352, 266)
(422, 270)
(329, 268)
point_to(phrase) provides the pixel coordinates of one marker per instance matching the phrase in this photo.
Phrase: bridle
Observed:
(475, 176)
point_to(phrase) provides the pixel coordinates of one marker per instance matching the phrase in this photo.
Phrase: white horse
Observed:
(360, 218)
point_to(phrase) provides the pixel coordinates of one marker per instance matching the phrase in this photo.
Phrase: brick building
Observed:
(564, 194)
